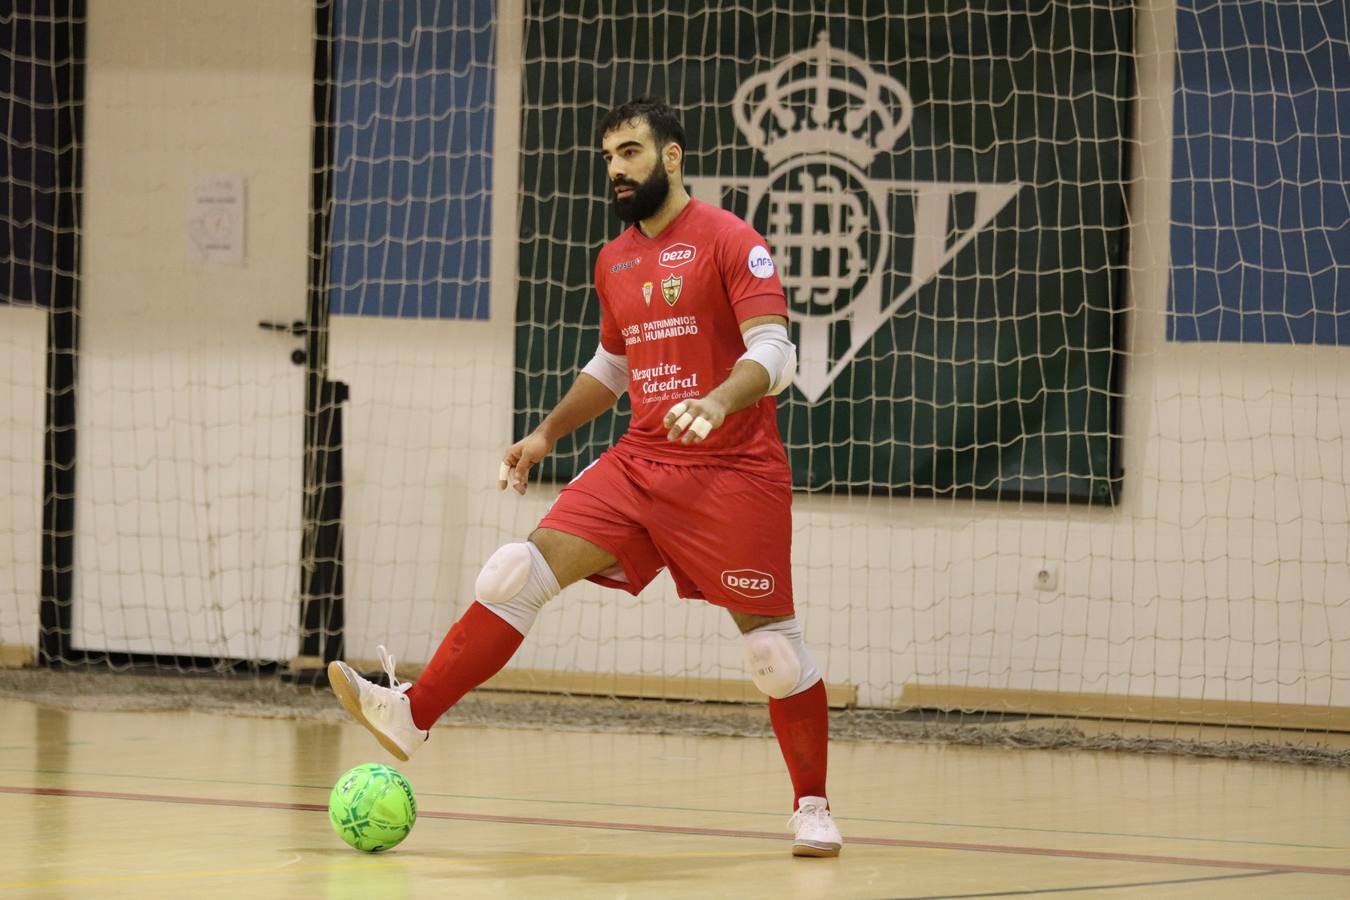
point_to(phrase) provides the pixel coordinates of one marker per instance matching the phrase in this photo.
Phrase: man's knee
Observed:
(515, 583)
(778, 660)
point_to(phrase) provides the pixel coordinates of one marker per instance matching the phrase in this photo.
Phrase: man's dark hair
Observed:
(658, 115)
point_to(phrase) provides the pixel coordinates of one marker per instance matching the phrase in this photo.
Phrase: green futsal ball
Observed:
(372, 807)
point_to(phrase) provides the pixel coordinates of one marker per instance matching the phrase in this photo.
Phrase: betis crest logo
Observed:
(820, 118)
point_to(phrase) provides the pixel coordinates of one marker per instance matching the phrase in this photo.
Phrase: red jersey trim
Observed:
(759, 305)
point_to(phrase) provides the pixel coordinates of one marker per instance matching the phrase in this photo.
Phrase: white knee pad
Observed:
(515, 583)
(778, 661)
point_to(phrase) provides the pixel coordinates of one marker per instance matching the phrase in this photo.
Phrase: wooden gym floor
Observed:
(172, 804)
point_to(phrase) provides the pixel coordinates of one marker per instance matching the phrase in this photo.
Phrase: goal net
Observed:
(1067, 283)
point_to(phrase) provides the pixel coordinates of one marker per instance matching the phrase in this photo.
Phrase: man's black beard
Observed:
(646, 198)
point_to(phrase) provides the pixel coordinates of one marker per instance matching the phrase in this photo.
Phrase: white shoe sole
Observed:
(819, 851)
(350, 698)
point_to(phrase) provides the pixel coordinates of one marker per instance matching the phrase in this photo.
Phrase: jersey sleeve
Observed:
(610, 338)
(749, 274)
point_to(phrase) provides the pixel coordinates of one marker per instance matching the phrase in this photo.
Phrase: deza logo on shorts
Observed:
(676, 255)
(749, 583)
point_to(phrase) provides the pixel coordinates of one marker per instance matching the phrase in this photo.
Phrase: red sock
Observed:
(802, 723)
(476, 648)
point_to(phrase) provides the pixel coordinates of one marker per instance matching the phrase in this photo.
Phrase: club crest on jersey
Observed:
(647, 292)
(750, 583)
(676, 255)
(670, 288)
(819, 117)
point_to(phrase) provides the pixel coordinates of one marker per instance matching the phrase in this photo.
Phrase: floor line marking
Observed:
(500, 798)
(1098, 887)
(1058, 852)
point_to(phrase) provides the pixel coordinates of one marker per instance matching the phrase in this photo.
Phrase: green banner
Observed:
(943, 193)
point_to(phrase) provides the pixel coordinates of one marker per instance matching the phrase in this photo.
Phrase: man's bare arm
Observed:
(586, 399)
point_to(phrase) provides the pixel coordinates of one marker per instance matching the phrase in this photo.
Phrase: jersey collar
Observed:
(642, 239)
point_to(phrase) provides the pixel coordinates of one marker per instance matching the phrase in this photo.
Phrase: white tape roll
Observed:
(701, 427)
(504, 473)
(684, 421)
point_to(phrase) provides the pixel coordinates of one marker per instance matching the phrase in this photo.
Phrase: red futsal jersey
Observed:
(673, 305)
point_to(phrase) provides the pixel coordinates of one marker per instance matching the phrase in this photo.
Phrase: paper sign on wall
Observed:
(215, 222)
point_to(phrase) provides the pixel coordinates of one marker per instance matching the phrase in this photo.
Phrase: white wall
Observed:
(1222, 574)
(23, 380)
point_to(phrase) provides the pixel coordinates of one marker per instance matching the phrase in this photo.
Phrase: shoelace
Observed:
(387, 660)
(806, 812)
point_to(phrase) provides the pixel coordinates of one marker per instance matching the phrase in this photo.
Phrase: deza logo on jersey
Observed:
(676, 255)
(749, 582)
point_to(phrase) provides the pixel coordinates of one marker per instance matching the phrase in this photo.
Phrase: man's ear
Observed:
(673, 155)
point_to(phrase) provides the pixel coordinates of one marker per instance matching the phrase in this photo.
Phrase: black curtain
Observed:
(42, 51)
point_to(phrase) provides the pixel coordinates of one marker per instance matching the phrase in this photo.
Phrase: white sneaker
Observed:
(383, 710)
(817, 835)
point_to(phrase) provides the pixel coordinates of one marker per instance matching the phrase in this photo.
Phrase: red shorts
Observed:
(725, 535)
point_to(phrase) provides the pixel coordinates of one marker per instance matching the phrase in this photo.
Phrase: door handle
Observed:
(296, 328)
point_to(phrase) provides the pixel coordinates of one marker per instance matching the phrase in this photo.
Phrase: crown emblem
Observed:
(822, 100)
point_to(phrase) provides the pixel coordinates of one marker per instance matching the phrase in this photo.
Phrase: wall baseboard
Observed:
(612, 684)
(15, 656)
(1127, 707)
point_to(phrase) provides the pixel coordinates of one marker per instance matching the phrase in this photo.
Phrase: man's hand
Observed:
(690, 421)
(523, 454)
